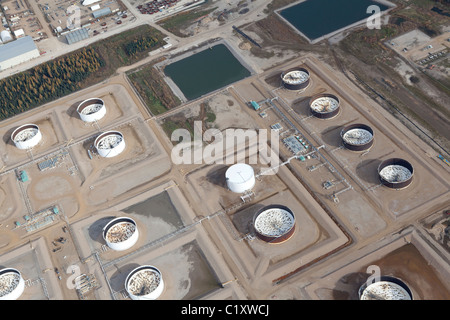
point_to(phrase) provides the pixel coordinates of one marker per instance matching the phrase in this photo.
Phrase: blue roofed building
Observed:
(101, 12)
(17, 52)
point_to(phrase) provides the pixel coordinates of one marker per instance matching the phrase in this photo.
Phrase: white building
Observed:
(89, 2)
(16, 52)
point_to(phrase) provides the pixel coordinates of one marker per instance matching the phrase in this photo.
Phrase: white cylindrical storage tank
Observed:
(121, 233)
(386, 288)
(109, 144)
(12, 284)
(91, 110)
(144, 283)
(240, 177)
(5, 36)
(26, 136)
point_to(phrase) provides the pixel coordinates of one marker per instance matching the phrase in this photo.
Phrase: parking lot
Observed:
(22, 20)
(57, 15)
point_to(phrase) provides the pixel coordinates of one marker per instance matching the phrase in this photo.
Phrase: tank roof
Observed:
(143, 280)
(9, 281)
(274, 221)
(385, 290)
(239, 172)
(324, 103)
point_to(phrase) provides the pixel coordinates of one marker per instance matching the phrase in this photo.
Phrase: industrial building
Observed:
(101, 12)
(77, 35)
(17, 52)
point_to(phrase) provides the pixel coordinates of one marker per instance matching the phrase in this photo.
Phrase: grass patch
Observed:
(153, 90)
(179, 121)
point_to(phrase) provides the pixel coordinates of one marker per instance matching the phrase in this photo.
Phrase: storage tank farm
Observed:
(12, 284)
(295, 79)
(91, 110)
(144, 283)
(324, 106)
(395, 173)
(26, 136)
(357, 137)
(385, 288)
(240, 178)
(110, 144)
(121, 233)
(274, 223)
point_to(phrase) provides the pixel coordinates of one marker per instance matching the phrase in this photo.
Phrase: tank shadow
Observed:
(7, 136)
(72, 110)
(301, 106)
(95, 229)
(332, 137)
(243, 219)
(346, 288)
(367, 171)
(118, 278)
(216, 176)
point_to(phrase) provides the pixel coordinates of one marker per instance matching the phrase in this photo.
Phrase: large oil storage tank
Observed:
(395, 173)
(12, 284)
(121, 233)
(240, 177)
(386, 288)
(274, 223)
(357, 137)
(295, 79)
(324, 105)
(91, 110)
(109, 144)
(144, 283)
(26, 136)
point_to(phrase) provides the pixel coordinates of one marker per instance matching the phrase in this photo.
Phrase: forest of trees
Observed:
(46, 82)
(140, 45)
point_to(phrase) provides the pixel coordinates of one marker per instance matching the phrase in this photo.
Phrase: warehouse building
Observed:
(17, 52)
(77, 35)
(101, 13)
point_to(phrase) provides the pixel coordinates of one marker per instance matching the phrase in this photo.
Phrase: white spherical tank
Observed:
(12, 284)
(144, 283)
(121, 233)
(91, 110)
(26, 136)
(240, 178)
(109, 144)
